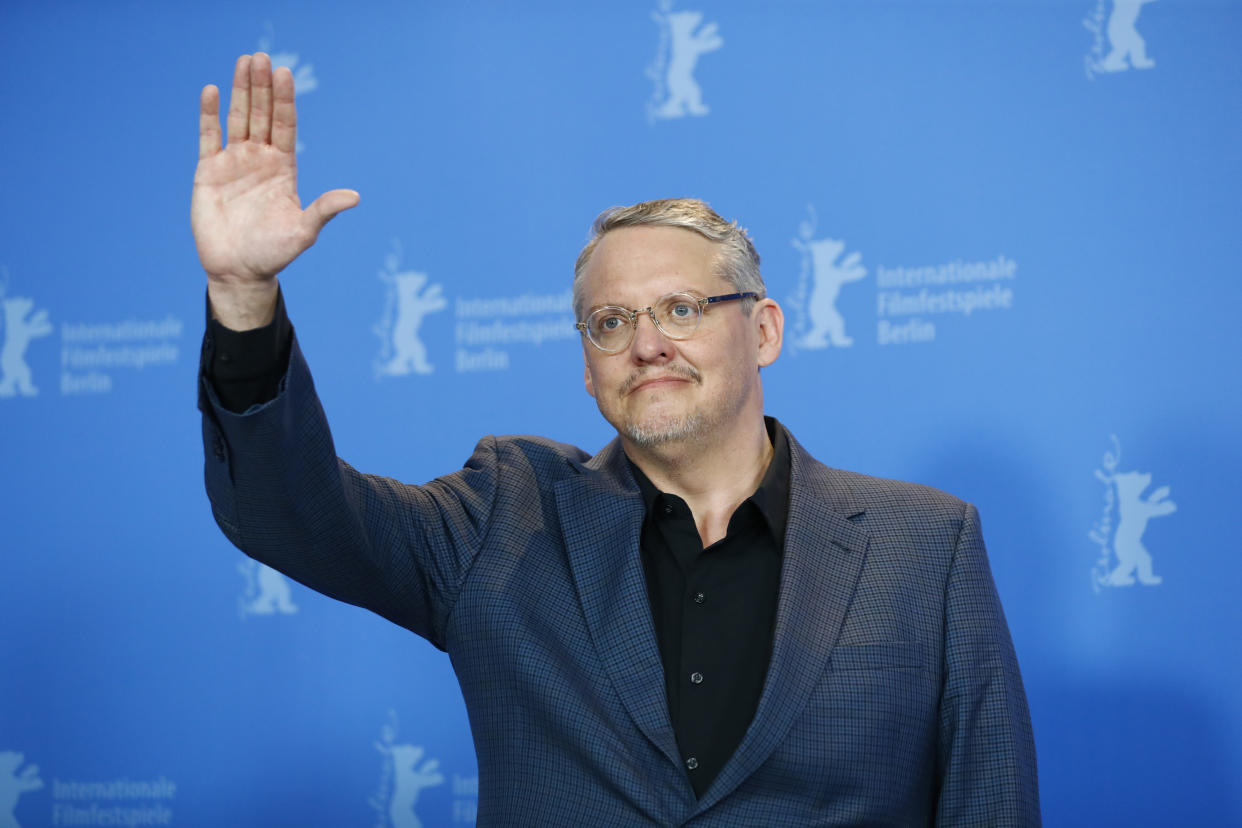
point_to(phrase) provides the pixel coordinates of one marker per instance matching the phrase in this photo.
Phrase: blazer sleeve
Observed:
(281, 495)
(986, 749)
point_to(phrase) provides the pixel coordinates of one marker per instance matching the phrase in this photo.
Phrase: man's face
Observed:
(660, 390)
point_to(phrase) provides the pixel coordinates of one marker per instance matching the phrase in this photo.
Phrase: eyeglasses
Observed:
(676, 315)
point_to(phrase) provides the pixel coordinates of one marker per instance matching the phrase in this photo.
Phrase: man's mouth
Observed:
(638, 382)
(658, 382)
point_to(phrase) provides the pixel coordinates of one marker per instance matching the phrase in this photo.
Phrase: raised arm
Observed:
(247, 219)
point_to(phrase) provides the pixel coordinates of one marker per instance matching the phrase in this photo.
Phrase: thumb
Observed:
(325, 208)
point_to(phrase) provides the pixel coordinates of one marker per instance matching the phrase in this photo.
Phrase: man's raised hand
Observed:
(247, 219)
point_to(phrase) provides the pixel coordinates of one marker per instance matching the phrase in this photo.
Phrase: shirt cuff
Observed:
(246, 367)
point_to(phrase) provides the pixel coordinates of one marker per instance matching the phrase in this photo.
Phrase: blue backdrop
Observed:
(1005, 234)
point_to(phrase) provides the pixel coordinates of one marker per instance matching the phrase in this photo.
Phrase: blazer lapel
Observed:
(823, 557)
(601, 517)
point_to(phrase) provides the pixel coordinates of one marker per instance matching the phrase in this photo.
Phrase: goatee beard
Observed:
(666, 429)
(650, 435)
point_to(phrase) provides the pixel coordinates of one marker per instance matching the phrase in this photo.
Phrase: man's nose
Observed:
(650, 344)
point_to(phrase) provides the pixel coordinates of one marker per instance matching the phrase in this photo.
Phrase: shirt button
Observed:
(692, 763)
(699, 597)
(696, 678)
(668, 508)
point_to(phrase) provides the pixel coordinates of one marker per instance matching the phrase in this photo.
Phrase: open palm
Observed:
(247, 219)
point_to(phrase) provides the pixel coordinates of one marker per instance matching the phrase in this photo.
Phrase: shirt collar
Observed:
(772, 496)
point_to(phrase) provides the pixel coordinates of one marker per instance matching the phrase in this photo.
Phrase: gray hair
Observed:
(737, 264)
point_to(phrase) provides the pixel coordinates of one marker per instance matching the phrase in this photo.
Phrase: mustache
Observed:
(685, 372)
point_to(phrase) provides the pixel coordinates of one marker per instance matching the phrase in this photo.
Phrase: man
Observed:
(700, 624)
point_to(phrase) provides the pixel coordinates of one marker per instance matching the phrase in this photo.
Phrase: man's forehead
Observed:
(639, 260)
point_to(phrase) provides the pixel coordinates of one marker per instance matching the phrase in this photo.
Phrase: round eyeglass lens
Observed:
(678, 314)
(610, 328)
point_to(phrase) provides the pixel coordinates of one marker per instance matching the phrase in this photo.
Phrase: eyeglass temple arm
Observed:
(711, 300)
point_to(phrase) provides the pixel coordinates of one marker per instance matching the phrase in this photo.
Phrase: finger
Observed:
(284, 111)
(260, 98)
(239, 101)
(327, 206)
(209, 122)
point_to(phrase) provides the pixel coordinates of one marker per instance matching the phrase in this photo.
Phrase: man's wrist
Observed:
(241, 305)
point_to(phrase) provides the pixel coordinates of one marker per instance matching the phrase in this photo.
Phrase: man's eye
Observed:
(610, 323)
(682, 310)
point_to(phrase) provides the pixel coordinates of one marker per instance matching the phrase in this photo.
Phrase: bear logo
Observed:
(410, 298)
(824, 272)
(267, 591)
(1124, 559)
(14, 784)
(20, 327)
(1128, 49)
(682, 42)
(403, 779)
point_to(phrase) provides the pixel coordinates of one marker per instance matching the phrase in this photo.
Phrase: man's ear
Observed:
(769, 319)
(586, 377)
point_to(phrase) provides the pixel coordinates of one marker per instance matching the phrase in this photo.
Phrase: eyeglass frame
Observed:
(701, 301)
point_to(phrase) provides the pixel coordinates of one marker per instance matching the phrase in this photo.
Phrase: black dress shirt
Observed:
(713, 609)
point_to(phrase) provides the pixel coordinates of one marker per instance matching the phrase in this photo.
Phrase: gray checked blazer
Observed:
(893, 695)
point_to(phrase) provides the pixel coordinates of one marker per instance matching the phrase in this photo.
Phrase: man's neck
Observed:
(712, 476)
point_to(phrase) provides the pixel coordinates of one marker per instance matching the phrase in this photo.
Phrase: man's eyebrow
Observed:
(594, 308)
(696, 293)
